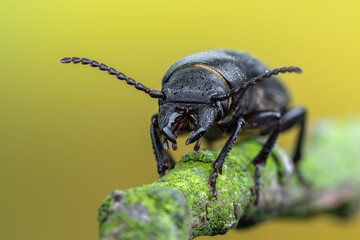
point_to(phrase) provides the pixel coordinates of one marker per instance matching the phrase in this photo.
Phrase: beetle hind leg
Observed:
(272, 120)
(293, 117)
(296, 116)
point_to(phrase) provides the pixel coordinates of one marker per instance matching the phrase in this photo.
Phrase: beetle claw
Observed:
(162, 171)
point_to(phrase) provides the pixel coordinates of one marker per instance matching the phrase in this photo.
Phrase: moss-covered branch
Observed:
(177, 206)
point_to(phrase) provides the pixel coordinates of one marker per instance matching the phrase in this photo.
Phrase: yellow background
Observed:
(70, 134)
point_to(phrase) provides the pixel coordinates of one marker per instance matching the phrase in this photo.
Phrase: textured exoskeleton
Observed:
(213, 92)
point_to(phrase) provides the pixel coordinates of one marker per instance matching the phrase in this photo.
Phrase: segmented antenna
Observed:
(112, 71)
(257, 79)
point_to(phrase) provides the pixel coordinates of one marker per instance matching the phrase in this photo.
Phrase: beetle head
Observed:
(189, 104)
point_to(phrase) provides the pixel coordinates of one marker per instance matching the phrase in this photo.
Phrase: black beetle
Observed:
(213, 92)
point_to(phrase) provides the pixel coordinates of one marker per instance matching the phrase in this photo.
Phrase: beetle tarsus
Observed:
(170, 161)
(214, 193)
(256, 187)
(162, 172)
(212, 179)
(212, 184)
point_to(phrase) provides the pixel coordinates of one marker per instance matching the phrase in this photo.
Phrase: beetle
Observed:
(215, 92)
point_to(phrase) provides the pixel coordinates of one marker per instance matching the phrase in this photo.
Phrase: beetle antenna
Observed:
(257, 79)
(268, 74)
(112, 71)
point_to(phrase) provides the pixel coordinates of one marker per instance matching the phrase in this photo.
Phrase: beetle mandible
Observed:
(218, 91)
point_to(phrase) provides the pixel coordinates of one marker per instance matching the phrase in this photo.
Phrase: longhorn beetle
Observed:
(218, 91)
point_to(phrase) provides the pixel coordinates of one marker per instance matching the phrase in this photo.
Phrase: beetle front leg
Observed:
(217, 166)
(163, 159)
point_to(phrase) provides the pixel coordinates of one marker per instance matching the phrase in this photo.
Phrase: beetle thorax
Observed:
(193, 84)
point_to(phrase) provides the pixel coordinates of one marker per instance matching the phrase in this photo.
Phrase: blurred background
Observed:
(71, 134)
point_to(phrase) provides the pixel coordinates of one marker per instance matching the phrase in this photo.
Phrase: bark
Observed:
(178, 205)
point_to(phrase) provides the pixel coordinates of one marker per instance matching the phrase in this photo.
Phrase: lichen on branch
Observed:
(178, 205)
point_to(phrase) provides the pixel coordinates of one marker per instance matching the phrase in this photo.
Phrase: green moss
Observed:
(167, 208)
(107, 206)
(189, 179)
(223, 213)
(144, 213)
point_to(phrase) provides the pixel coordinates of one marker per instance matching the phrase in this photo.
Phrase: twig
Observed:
(178, 205)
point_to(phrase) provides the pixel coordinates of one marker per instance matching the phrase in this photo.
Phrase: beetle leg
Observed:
(263, 119)
(296, 116)
(288, 120)
(221, 158)
(164, 160)
(170, 161)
